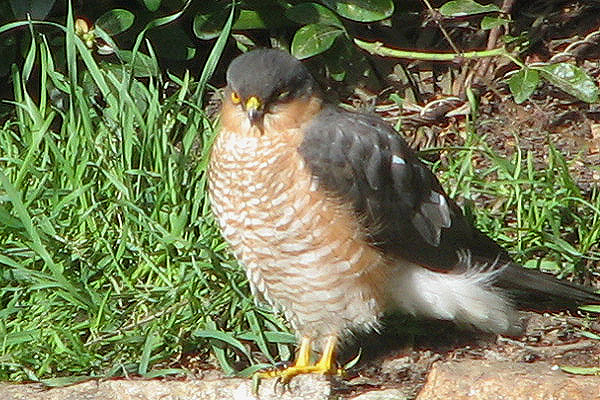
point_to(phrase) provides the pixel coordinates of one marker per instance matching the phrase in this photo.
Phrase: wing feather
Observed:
(401, 204)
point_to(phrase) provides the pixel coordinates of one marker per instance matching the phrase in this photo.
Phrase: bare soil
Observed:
(395, 360)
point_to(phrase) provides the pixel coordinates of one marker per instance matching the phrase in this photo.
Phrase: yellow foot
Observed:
(286, 375)
(302, 365)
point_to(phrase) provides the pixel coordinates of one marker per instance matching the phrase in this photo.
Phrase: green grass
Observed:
(110, 261)
(540, 215)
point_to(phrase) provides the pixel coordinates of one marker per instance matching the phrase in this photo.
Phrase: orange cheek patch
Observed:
(232, 117)
(293, 114)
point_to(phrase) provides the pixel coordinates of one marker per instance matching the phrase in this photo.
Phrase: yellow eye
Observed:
(235, 98)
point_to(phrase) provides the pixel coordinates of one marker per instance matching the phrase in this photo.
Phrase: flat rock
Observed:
(383, 394)
(456, 380)
(305, 387)
(483, 380)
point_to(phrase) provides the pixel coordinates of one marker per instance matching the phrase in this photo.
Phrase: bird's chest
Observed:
(263, 197)
(303, 250)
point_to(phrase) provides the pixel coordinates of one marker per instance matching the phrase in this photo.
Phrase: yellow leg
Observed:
(303, 357)
(325, 365)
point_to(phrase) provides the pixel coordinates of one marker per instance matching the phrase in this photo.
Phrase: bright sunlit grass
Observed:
(540, 215)
(109, 257)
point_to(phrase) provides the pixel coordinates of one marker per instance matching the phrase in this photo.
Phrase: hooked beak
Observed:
(254, 108)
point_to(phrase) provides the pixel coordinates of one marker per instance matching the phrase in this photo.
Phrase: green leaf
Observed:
(209, 23)
(591, 308)
(489, 22)
(152, 5)
(249, 19)
(266, 15)
(461, 8)
(251, 370)
(570, 79)
(222, 337)
(590, 335)
(354, 361)
(543, 265)
(215, 55)
(581, 370)
(149, 344)
(313, 13)
(160, 21)
(243, 42)
(159, 373)
(280, 337)
(143, 64)
(362, 10)
(65, 380)
(29, 61)
(523, 83)
(259, 335)
(313, 39)
(115, 21)
(271, 337)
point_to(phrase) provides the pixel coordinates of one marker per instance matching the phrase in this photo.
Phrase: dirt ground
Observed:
(395, 360)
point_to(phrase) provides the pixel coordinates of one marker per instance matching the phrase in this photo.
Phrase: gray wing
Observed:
(397, 199)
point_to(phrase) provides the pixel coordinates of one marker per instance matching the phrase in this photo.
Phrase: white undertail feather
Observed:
(466, 297)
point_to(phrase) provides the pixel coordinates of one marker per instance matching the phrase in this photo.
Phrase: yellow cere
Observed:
(253, 103)
(235, 98)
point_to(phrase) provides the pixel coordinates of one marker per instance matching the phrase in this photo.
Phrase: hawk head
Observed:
(262, 78)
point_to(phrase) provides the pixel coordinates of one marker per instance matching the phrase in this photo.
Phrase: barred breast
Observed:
(303, 251)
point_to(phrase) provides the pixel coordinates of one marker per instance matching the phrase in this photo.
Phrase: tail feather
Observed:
(538, 290)
(467, 297)
(483, 294)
